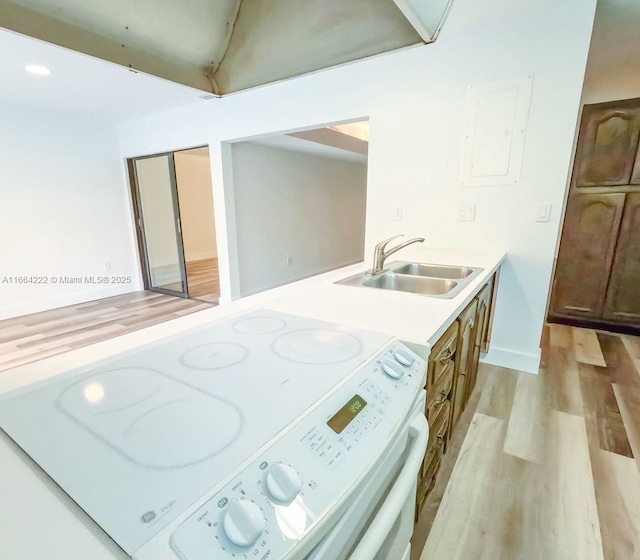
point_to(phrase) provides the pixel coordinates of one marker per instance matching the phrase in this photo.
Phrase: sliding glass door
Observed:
(159, 224)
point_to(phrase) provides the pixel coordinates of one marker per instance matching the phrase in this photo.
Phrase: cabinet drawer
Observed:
(440, 391)
(441, 354)
(439, 424)
(430, 466)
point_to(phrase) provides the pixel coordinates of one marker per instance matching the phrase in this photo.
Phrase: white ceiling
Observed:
(82, 84)
(473, 16)
(286, 142)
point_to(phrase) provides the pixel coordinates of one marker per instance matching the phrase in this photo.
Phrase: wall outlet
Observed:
(543, 214)
(397, 213)
(466, 213)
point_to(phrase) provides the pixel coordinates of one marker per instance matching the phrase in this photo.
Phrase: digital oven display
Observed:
(341, 419)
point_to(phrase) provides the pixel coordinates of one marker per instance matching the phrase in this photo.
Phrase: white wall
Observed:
(298, 205)
(64, 209)
(195, 193)
(415, 100)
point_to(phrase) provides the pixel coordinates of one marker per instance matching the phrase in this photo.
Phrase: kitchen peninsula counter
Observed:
(413, 318)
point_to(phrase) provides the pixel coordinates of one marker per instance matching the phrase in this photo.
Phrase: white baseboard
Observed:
(513, 360)
(54, 302)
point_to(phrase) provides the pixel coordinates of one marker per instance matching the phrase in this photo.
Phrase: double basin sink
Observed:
(433, 280)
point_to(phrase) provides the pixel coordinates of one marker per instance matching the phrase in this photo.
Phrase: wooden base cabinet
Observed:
(451, 375)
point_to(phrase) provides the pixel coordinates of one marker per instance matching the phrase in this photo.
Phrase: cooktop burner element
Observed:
(135, 439)
(317, 346)
(151, 419)
(216, 355)
(259, 325)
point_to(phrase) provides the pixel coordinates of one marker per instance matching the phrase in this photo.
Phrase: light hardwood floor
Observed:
(40, 335)
(546, 466)
(203, 280)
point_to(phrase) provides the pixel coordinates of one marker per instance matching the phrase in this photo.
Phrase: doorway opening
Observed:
(299, 203)
(174, 211)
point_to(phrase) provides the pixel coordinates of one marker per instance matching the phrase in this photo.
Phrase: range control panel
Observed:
(275, 501)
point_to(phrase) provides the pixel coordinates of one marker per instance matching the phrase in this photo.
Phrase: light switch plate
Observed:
(466, 213)
(543, 213)
(397, 213)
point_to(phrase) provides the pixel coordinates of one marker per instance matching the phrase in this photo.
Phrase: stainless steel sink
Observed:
(413, 284)
(431, 270)
(425, 279)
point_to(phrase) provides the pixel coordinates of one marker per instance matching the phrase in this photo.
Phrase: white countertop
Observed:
(409, 317)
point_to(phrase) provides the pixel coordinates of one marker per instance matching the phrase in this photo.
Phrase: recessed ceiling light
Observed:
(38, 70)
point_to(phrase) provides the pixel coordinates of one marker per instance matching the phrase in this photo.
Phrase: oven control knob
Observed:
(392, 369)
(283, 482)
(404, 357)
(243, 522)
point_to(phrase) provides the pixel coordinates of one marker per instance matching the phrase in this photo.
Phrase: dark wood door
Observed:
(464, 355)
(608, 144)
(586, 253)
(623, 295)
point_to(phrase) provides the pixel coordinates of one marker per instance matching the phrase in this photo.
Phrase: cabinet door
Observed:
(488, 325)
(623, 294)
(587, 247)
(464, 355)
(608, 144)
(482, 316)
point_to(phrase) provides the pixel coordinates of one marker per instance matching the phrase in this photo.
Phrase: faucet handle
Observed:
(381, 246)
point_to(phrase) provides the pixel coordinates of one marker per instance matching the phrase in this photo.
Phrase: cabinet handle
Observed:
(442, 398)
(447, 356)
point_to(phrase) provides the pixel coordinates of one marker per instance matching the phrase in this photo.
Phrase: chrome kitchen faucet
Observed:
(379, 255)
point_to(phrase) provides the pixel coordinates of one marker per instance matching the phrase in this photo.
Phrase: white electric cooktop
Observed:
(136, 439)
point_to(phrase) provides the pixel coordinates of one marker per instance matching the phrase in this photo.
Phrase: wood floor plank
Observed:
(618, 360)
(568, 515)
(587, 348)
(8, 333)
(545, 343)
(509, 513)
(632, 345)
(203, 279)
(562, 381)
(456, 532)
(497, 396)
(527, 427)
(628, 399)
(617, 488)
(605, 425)
(560, 335)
